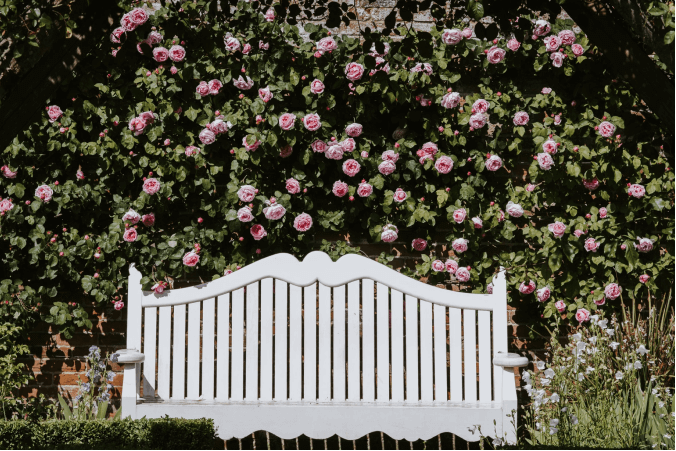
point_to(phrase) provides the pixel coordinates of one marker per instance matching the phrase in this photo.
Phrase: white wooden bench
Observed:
(347, 348)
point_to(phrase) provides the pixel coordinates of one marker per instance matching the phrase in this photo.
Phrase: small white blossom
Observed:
(592, 340)
(661, 403)
(544, 381)
(610, 332)
(553, 431)
(637, 365)
(549, 373)
(577, 337)
(603, 323)
(541, 365)
(573, 419)
(614, 345)
(619, 375)
(667, 436)
(555, 398)
(580, 377)
(590, 369)
(642, 350)
(565, 409)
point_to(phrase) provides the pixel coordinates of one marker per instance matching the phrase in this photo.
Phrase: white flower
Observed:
(590, 369)
(553, 422)
(603, 323)
(549, 373)
(577, 337)
(629, 366)
(642, 350)
(541, 365)
(667, 436)
(653, 379)
(619, 375)
(580, 377)
(555, 397)
(553, 431)
(614, 345)
(610, 332)
(564, 409)
(573, 419)
(594, 319)
(592, 340)
(655, 391)
(545, 381)
(526, 375)
(581, 345)
(637, 365)
(497, 441)
(661, 403)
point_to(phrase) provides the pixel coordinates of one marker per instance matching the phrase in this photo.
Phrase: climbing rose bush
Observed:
(234, 141)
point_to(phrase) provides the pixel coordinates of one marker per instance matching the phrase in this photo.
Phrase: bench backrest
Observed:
(318, 331)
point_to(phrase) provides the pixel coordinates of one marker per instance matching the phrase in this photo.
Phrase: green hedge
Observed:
(162, 433)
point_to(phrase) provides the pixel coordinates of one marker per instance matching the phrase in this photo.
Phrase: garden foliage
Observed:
(192, 147)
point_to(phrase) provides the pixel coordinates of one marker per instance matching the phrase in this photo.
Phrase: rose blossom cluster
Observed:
(138, 124)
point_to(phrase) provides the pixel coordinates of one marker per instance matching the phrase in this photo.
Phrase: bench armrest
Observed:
(509, 360)
(129, 356)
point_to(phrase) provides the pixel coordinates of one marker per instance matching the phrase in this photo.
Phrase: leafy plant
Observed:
(13, 374)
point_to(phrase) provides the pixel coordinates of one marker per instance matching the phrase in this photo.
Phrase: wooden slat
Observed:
(397, 306)
(324, 375)
(295, 343)
(223, 348)
(237, 372)
(426, 370)
(353, 358)
(310, 343)
(455, 329)
(267, 306)
(368, 340)
(164, 354)
(469, 336)
(208, 345)
(251, 376)
(412, 392)
(339, 343)
(178, 353)
(281, 298)
(194, 350)
(485, 356)
(383, 346)
(440, 371)
(150, 351)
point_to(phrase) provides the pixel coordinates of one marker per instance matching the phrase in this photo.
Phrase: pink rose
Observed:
(176, 53)
(335, 152)
(207, 136)
(244, 214)
(316, 87)
(557, 59)
(44, 193)
(390, 155)
(521, 118)
(582, 315)
(399, 195)
(477, 121)
(549, 146)
(270, 15)
(128, 23)
(191, 258)
(459, 215)
(578, 50)
(462, 274)
(137, 125)
(263, 45)
(160, 54)
(6, 205)
(131, 216)
(644, 244)
(353, 130)
(545, 161)
(326, 44)
(460, 245)
(54, 112)
(138, 16)
(591, 245)
(348, 144)
(151, 186)
(527, 288)
(543, 294)
(202, 88)
(116, 35)
(287, 121)
(364, 189)
(578, 233)
(292, 186)
(258, 232)
(591, 184)
(246, 48)
(340, 188)
(153, 38)
(130, 235)
(467, 33)
(246, 193)
(354, 71)
(7, 172)
(603, 212)
(451, 265)
(600, 301)
(643, 278)
(452, 36)
(552, 43)
(478, 223)
(147, 116)
(119, 305)
(567, 37)
(542, 28)
(637, 191)
(351, 167)
(319, 146)
(386, 167)
(557, 119)
(312, 122)
(214, 86)
(444, 164)
(612, 291)
(493, 163)
(438, 265)
(242, 84)
(265, 94)
(489, 288)
(606, 129)
(450, 100)
(513, 45)
(159, 287)
(252, 147)
(286, 151)
(148, 220)
(514, 210)
(557, 228)
(424, 101)
(389, 234)
(303, 222)
(273, 211)
(546, 90)
(530, 188)
(231, 43)
(419, 244)
(219, 126)
(495, 55)
(480, 106)
(560, 306)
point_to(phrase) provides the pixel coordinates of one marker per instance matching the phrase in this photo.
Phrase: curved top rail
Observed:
(318, 267)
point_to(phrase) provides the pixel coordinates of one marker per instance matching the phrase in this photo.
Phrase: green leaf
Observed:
(554, 260)
(64, 407)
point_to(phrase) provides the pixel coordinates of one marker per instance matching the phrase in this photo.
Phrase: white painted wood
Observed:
(281, 324)
(440, 371)
(383, 344)
(208, 347)
(397, 345)
(194, 350)
(412, 351)
(368, 340)
(484, 356)
(310, 343)
(178, 354)
(353, 345)
(149, 349)
(251, 345)
(237, 372)
(324, 339)
(426, 367)
(164, 354)
(295, 343)
(134, 325)
(223, 350)
(455, 330)
(339, 343)
(267, 307)
(469, 335)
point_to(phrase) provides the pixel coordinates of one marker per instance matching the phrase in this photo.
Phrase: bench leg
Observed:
(130, 386)
(509, 406)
